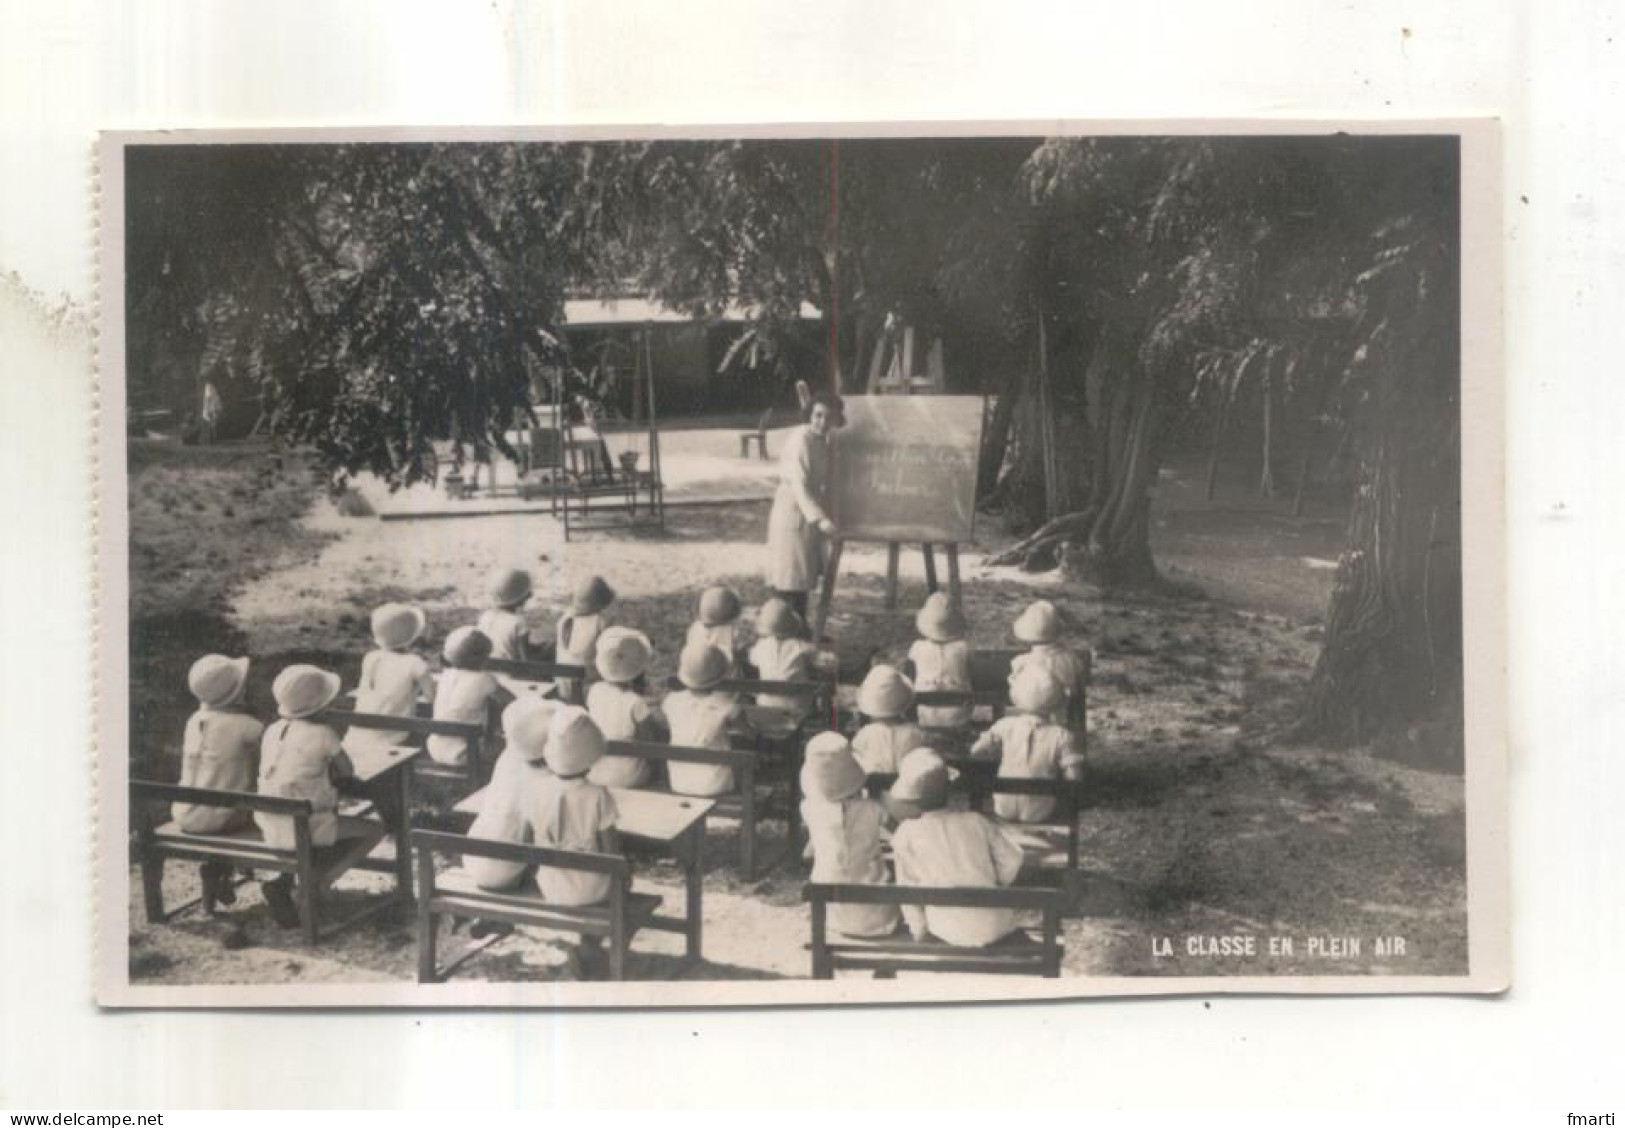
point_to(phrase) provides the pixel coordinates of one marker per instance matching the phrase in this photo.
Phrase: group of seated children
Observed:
(301, 757)
(550, 784)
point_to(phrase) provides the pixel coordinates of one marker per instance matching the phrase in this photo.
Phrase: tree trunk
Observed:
(1118, 552)
(1393, 654)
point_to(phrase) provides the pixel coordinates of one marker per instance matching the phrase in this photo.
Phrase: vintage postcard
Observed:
(796, 565)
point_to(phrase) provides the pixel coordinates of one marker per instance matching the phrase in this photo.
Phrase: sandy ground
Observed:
(1198, 822)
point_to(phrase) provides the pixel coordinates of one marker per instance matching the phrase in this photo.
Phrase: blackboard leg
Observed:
(827, 592)
(930, 568)
(953, 575)
(893, 551)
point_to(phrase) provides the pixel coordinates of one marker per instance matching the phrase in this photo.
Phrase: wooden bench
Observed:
(455, 894)
(1019, 954)
(468, 775)
(1048, 846)
(315, 868)
(745, 802)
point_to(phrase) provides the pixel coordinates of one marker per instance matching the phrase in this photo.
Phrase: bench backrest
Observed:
(737, 758)
(1022, 898)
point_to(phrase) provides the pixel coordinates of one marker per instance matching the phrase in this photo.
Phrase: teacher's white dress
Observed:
(795, 547)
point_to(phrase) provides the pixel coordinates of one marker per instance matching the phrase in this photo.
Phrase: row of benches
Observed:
(617, 920)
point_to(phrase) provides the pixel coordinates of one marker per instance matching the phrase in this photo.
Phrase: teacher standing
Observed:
(800, 523)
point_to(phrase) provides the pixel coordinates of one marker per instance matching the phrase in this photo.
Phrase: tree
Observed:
(858, 230)
(1149, 250)
(1392, 660)
(384, 296)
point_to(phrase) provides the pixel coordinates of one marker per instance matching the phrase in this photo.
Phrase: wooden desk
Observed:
(381, 777)
(672, 823)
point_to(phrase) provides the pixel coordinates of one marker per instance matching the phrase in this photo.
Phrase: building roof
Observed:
(591, 313)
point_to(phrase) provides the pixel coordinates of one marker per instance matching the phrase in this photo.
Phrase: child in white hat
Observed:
(299, 759)
(941, 660)
(218, 751)
(885, 699)
(935, 846)
(466, 692)
(393, 679)
(701, 716)
(846, 829)
(782, 654)
(717, 624)
(1039, 626)
(619, 710)
(503, 620)
(505, 802)
(1030, 745)
(567, 811)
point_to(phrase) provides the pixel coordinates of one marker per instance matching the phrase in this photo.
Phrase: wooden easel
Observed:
(892, 376)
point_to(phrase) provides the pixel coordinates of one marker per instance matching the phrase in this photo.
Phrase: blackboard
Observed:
(905, 468)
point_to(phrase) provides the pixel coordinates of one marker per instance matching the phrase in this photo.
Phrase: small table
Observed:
(381, 777)
(673, 823)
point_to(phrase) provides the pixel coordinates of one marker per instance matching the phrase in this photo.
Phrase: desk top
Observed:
(648, 815)
(374, 763)
(770, 720)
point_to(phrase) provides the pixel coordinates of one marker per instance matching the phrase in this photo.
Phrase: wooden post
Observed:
(894, 550)
(953, 575)
(1213, 448)
(822, 965)
(930, 568)
(693, 885)
(305, 852)
(426, 917)
(1303, 479)
(401, 827)
(747, 820)
(832, 568)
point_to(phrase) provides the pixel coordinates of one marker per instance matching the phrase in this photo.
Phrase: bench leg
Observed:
(822, 966)
(152, 888)
(428, 924)
(402, 830)
(693, 888)
(308, 900)
(747, 838)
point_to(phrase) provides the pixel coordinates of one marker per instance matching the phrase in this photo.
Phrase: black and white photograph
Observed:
(770, 565)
